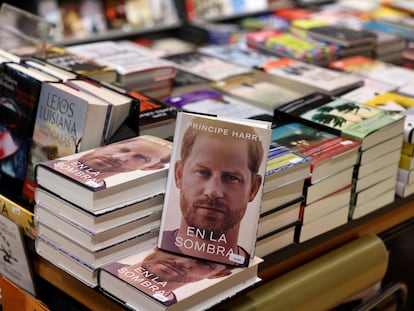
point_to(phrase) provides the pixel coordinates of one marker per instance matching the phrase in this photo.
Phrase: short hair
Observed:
(255, 147)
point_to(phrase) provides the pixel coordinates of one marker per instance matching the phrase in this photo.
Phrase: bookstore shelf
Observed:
(274, 264)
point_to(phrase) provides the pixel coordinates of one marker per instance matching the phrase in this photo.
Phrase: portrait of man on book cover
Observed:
(102, 167)
(214, 188)
(166, 276)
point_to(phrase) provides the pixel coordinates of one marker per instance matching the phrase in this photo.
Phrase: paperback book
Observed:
(214, 188)
(110, 175)
(150, 280)
(366, 124)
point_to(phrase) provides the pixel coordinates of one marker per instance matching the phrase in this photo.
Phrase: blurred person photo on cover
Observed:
(217, 177)
(160, 273)
(96, 166)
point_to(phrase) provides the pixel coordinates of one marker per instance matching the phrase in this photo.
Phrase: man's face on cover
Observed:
(171, 267)
(215, 183)
(126, 156)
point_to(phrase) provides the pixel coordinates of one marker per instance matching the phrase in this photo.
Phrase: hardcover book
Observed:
(68, 120)
(206, 101)
(19, 90)
(110, 175)
(214, 188)
(330, 153)
(206, 66)
(343, 36)
(292, 73)
(154, 279)
(366, 124)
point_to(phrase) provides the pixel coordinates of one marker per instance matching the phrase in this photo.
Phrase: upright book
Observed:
(214, 188)
(110, 175)
(19, 90)
(154, 279)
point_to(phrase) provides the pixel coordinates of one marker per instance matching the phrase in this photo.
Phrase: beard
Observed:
(219, 221)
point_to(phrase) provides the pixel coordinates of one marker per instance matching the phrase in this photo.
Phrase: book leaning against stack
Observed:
(97, 205)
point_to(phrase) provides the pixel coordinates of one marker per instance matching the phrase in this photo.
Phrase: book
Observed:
(239, 54)
(392, 101)
(95, 240)
(206, 66)
(20, 90)
(212, 102)
(258, 91)
(99, 220)
(330, 153)
(366, 124)
(132, 65)
(284, 165)
(194, 220)
(376, 69)
(278, 218)
(327, 204)
(328, 185)
(21, 214)
(50, 68)
(380, 149)
(382, 172)
(404, 190)
(15, 264)
(61, 57)
(283, 195)
(405, 176)
(98, 257)
(154, 117)
(391, 156)
(297, 74)
(406, 162)
(276, 240)
(323, 224)
(111, 175)
(342, 35)
(148, 280)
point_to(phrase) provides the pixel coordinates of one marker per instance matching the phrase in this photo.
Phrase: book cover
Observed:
(211, 102)
(330, 153)
(110, 175)
(285, 165)
(156, 117)
(257, 90)
(238, 54)
(154, 279)
(342, 35)
(366, 124)
(14, 262)
(205, 66)
(391, 101)
(128, 59)
(23, 215)
(294, 72)
(214, 188)
(19, 90)
(61, 57)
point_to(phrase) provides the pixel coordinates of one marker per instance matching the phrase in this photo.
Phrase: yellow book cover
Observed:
(390, 101)
(23, 216)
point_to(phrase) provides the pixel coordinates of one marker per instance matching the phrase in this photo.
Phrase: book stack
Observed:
(137, 69)
(205, 249)
(327, 191)
(402, 78)
(379, 132)
(95, 206)
(283, 187)
(349, 41)
(392, 101)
